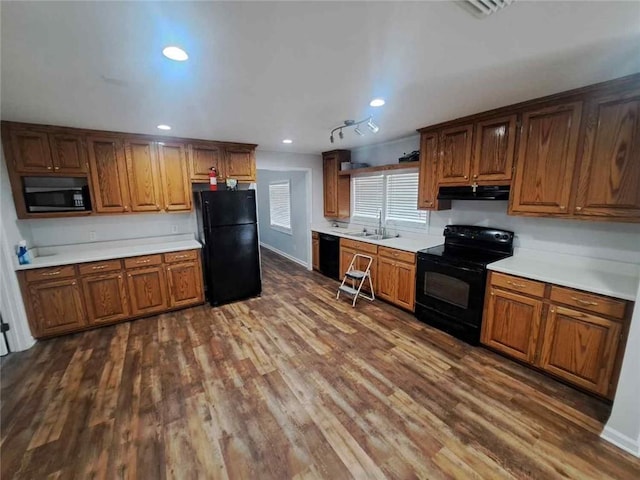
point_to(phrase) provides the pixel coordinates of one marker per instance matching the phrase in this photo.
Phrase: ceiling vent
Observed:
(484, 8)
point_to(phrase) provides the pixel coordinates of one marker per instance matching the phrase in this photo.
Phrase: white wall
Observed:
(385, 153)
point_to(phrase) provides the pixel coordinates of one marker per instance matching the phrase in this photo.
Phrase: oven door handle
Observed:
(448, 265)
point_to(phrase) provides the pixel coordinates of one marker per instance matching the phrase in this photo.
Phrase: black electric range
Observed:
(451, 278)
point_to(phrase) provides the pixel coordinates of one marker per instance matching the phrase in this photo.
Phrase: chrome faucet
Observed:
(381, 229)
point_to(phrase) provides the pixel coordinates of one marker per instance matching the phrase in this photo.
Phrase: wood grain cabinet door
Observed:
(609, 184)
(240, 163)
(346, 255)
(315, 254)
(455, 161)
(495, 141)
(428, 174)
(105, 297)
(56, 306)
(580, 348)
(512, 324)
(388, 279)
(68, 153)
(373, 271)
(330, 185)
(546, 160)
(31, 151)
(185, 283)
(176, 187)
(147, 290)
(143, 173)
(202, 157)
(406, 287)
(108, 174)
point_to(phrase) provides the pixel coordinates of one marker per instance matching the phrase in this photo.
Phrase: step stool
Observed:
(358, 276)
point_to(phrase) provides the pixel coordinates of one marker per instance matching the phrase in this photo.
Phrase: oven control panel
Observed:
(483, 234)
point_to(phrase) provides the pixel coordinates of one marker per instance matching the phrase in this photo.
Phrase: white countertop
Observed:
(408, 244)
(92, 252)
(606, 277)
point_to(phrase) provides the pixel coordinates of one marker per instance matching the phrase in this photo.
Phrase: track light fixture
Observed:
(352, 123)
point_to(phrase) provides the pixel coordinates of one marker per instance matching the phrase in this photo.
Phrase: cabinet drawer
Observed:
(180, 256)
(100, 267)
(314, 235)
(143, 261)
(52, 273)
(362, 247)
(519, 284)
(399, 255)
(589, 301)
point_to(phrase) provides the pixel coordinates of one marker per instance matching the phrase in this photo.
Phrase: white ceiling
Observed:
(261, 72)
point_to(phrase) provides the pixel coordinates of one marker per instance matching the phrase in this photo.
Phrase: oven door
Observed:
(451, 291)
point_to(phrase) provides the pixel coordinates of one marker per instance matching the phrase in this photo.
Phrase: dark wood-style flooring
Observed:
(291, 385)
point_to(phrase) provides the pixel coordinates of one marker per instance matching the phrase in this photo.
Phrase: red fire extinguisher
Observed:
(213, 179)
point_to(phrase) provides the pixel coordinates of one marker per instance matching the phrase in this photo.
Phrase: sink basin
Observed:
(372, 236)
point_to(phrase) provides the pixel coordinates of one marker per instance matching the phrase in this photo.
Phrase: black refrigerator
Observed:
(228, 230)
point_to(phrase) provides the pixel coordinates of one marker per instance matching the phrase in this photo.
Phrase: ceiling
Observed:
(261, 72)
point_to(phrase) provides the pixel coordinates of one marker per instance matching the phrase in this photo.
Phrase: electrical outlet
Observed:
(92, 236)
(174, 228)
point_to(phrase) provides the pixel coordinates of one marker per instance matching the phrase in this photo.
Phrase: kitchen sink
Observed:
(372, 236)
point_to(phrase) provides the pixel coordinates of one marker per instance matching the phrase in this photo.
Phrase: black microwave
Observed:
(57, 199)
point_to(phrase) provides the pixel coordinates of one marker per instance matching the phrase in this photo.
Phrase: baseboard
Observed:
(286, 255)
(620, 440)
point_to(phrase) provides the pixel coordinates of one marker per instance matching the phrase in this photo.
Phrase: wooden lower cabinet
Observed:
(99, 293)
(185, 284)
(580, 348)
(511, 324)
(105, 297)
(397, 282)
(347, 254)
(56, 306)
(575, 336)
(315, 252)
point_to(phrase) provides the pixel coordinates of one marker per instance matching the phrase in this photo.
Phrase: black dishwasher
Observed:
(330, 256)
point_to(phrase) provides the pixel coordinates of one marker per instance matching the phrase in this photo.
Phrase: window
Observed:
(280, 206)
(393, 194)
(367, 196)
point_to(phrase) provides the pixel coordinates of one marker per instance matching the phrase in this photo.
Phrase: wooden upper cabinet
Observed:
(511, 324)
(428, 175)
(202, 157)
(580, 348)
(240, 163)
(336, 188)
(143, 174)
(176, 187)
(68, 153)
(609, 182)
(108, 174)
(56, 307)
(31, 151)
(494, 150)
(546, 159)
(455, 161)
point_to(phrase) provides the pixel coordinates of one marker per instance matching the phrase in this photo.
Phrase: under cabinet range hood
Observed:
(475, 192)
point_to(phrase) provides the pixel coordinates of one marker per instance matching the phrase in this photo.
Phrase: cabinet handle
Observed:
(517, 285)
(119, 276)
(99, 267)
(466, 176)
(578, 208)
(180, 256)
(51, 274)
(143, 261)
(73, 283)
(584, 302)
(48, 168)
(56, 168)
(475, 176)
(562, 207)
(126, 209)
(129, 275)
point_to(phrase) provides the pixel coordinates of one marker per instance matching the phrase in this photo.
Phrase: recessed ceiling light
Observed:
(287, 140)
(377, 102)
(164, 127)
(175, 53)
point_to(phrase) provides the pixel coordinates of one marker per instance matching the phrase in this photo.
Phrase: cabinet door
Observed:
(56, 306)
(143, 174)
(315, 254)
(494, 149)
(202, 157)
(185, 283)
(456, 146)
(609, 184)
(176, 187)
(388, 281)
(546, 160)
(361, 265)
(105, 297)
(31, 152)
(346, 255)
(240, 163)
(330, 185)
(147, 290)
(428, 176)
(406, 285)
(580, 348)
(512, 324)
(108, 175)
(68, 153)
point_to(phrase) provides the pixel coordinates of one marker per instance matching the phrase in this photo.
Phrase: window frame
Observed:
(276, 226)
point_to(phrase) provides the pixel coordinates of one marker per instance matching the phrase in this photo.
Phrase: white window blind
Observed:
(280, 205)
(367, 196)
(402, 198)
